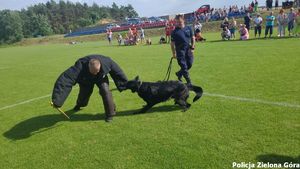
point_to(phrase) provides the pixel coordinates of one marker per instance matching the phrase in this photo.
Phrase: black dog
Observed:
(153, 93)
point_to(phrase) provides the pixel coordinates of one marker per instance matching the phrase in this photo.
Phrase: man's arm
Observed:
(118, 76)
(64, 84)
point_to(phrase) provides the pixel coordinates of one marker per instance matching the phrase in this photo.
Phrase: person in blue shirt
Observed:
(182, 46)
(269, 24)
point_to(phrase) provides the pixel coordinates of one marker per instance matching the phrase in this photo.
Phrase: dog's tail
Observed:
(198, 90)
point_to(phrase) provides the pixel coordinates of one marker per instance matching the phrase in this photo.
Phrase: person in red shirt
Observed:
(168, 34)
(135, 34)
(168, 29)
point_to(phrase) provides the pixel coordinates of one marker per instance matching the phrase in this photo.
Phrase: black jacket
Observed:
(79, 73)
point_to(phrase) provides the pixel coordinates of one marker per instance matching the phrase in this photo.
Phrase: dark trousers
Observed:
(86, 90)
(257, 29)
(185, 60)
(269, 28)
(248, 27)
(291, 26)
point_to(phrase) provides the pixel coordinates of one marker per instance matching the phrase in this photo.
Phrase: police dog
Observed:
(154, 93)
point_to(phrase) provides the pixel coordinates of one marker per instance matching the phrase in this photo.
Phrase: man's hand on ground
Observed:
(53, 105)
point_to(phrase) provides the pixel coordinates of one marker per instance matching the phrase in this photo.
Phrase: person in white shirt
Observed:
(120, 39)
(226, 34)
(258, 22)
(142, 35)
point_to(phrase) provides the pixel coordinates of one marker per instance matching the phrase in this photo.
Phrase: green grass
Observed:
(214, 133)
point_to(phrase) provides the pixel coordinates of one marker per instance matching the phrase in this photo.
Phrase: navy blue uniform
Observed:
(182, 38)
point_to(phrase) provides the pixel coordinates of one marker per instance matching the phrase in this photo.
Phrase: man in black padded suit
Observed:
(87, 72)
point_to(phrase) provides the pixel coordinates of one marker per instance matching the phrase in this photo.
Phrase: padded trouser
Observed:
(109, 105)
(85, 92)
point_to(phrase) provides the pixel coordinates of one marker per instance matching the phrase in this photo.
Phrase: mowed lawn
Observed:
(250, 111)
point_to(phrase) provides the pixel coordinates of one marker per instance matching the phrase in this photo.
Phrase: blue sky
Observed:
(143, 7)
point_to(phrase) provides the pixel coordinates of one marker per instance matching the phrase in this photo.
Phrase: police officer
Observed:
(183, 45)
(87, 72)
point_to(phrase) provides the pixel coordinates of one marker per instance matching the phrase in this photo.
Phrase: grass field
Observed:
(250, 111)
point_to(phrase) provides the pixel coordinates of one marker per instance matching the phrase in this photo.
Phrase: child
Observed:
(244, 32)
(162, 40)
(226, 34)
(120, 39)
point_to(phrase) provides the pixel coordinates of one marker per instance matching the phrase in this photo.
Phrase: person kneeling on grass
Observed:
(244, 32)
(87, 72)
(162, 40)
(226, 34)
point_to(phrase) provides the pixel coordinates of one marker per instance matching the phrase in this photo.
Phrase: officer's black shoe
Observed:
(76, 108)
(179, 76)
(108, 119)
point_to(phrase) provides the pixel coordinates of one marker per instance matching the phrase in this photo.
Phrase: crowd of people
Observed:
(230, 29)
(222, 13)
(132, 37)
(290, 20)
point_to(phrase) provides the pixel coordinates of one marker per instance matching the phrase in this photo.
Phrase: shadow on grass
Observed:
(278, 159)
(39, 124)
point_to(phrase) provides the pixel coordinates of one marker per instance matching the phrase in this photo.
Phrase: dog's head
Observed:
(134, 84)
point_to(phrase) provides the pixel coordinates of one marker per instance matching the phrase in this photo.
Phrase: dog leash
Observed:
(167, 77)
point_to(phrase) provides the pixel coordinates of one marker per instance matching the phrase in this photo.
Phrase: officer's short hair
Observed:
(179, 16)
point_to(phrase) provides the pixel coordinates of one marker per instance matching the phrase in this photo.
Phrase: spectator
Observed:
(282, 22)
(244, 32)
(148, 41)
(120, 39)
(256, 6)
(276, 4)
(142, 34)
(130, 34)
(225, 34)
(258, 22)
(269, 24)
(135, 35)
(167, 32)
(198, 31)
(297, 28)
(269, 4)
(252, 4)
(232, 28)
(225, 23)
(162, 40)
(247, 20)
(291, 20)
(109, 36)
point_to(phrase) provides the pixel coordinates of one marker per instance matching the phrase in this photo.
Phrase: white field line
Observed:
(24, 102)
(2, 68)
(28, 101)
(282, 104)
(259, 101)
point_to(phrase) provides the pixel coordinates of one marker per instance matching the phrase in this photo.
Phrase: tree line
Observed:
(56, 18)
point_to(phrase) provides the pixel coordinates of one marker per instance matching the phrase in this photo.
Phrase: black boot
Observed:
(188, 80)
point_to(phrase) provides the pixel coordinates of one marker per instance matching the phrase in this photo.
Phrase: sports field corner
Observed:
(250, 111)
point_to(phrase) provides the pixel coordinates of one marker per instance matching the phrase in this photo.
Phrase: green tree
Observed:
(10, 27)
(40, 25)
